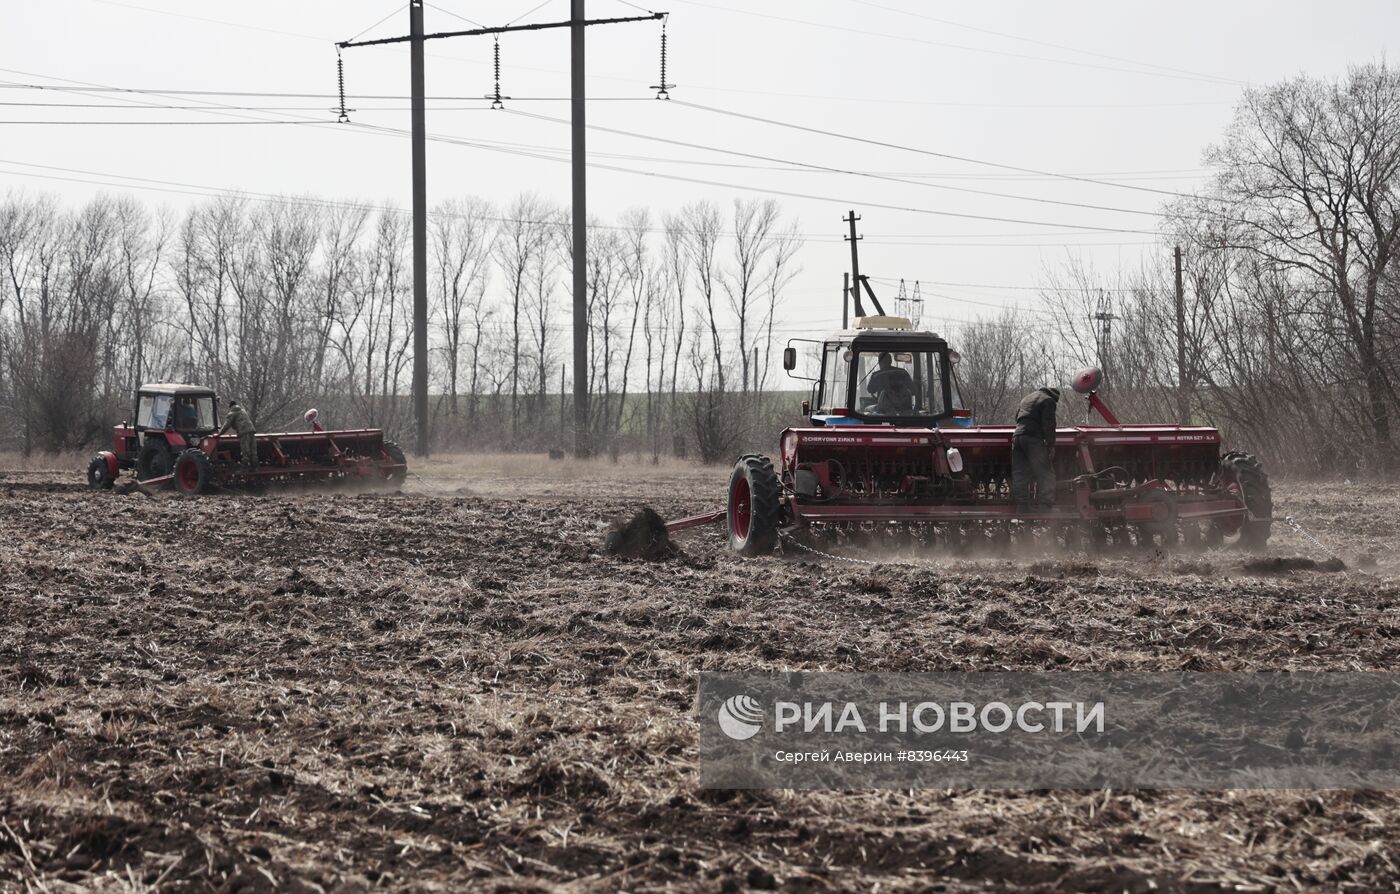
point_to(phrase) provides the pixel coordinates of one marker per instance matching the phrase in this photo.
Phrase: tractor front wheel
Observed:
(155, 461)
(194, 473)
(754, 506)
(99, 473)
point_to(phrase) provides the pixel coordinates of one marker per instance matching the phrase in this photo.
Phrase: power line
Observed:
(864, 100)
(981, 285)
(830, 170)
(165, 123)
(810, 196)
(182, 15)
(222, 192)
(1044, 43)
(205, 191)
(454, 15)
(929, 152)
(750, 92)
(680, 178)
(780, 165)
(844, 29)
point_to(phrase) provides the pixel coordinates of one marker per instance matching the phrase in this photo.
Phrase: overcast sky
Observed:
(1123, 91)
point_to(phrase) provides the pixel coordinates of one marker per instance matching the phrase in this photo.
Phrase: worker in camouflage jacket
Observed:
(1033, 450)
(238, 420)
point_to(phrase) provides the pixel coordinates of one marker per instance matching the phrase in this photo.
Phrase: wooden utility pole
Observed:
(420, 227)
(1183, 395)
(846, 300)
(582, 442)
(415, 39)
(1105, 318)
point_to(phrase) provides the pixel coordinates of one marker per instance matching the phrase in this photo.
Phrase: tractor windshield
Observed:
(154, 410)
(194, 413)
(899, 384)
(182, 412)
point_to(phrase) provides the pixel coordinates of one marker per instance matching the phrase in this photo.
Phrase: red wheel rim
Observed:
(740, 508)
(188, 475)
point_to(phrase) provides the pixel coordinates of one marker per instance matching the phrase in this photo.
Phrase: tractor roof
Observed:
(885, 337)
(175, 388)
(886, 331)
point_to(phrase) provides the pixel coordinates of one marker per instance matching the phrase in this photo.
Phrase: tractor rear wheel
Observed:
(194, 473)
(99, 474)
(155, 461)
(1244, 473)
(396, 456)
(754, 507)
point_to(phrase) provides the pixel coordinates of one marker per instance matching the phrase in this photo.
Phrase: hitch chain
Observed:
(1310, 538)
(789, 539)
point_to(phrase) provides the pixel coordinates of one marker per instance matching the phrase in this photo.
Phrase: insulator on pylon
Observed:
(497, 97)
(340, 81)
(662, 87)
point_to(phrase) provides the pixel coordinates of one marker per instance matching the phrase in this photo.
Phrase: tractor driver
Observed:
(186, 415)
(892, 386)
(239, 420)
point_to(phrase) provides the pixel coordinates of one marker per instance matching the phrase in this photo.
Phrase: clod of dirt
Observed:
(642, 537)
(1290, 564)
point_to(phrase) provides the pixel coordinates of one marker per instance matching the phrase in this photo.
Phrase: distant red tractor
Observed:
(172, 440)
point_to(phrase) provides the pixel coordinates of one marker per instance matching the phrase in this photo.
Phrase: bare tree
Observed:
(1307, 181)
(461, 242)
(523, 235)
(754, 222)
(702, 234)
(673, 309)
(544, 277)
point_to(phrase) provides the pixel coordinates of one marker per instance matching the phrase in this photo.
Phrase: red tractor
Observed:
(920, 470)
(172, 440)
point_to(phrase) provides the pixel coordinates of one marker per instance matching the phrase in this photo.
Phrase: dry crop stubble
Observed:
(442, 689)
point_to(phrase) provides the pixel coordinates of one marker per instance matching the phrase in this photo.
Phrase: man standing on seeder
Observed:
(1033, 451)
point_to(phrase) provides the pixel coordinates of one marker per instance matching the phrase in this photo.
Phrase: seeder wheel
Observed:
(1244, 475)
(396, 476)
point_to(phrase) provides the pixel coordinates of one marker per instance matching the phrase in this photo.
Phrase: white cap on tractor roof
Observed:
(883, 322)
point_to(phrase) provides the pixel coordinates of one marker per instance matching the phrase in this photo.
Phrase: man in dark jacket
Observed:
(239, 421)
(1033, 450)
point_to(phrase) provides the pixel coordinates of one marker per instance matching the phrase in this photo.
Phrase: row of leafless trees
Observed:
(1290, 321)
(298, 302)
(1291, 270)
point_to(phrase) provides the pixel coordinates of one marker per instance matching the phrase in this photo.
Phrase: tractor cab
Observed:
(188, 409)
(884, 372)
(166, 419)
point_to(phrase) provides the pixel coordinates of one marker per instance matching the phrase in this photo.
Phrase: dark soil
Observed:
(466, 692)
